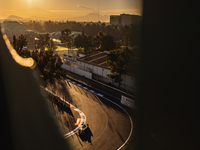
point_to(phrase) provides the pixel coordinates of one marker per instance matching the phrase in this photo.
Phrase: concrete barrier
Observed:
(77, 71)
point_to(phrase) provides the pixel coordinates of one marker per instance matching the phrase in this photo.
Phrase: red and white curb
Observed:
(82, 115)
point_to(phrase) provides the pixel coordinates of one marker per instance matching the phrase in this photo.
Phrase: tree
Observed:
(91, 43)
(36, 25)
(84, 41)
(69, 45)
(48, 63)
(65, 35)
(104, 41)
(117, 44)
(42, 42)
(127, 34)
(51, 45)
(119, 60)
(49, 66)
(20, 43)
(14, 42)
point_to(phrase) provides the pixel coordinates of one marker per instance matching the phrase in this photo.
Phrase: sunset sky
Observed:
(51, 9)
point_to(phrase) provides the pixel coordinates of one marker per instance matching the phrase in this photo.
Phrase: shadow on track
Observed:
(86, 136)
(63, 113)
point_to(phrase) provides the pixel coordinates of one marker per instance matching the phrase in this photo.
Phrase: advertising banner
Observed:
(127, 101)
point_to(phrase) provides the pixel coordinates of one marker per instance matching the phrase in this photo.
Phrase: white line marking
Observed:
(130, 121)
(100, 94)
(85, 88)
(107, 124)
(91, 91)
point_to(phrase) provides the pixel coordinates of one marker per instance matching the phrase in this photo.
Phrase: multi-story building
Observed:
(115, 20)
(125, 19)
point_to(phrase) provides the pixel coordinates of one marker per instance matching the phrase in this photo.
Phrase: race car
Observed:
(82, 128)
(56, 98)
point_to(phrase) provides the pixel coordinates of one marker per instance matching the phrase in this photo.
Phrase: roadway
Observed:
(109, 125)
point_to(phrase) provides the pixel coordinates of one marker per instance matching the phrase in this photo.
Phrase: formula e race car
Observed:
(83, 128)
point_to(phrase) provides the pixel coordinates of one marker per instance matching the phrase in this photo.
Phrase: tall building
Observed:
(125, 19)
(115, 20)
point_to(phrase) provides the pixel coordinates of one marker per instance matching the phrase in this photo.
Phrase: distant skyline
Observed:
(54, 9)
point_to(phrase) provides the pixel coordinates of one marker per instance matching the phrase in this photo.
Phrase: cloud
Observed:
(66, 11)
(86, 7)
(120, 11)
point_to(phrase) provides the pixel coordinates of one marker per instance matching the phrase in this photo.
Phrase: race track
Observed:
(109, 126)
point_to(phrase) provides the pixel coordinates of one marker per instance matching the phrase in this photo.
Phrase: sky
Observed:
(51, 9)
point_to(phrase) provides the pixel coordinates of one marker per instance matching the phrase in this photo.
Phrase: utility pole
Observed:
(98, 12)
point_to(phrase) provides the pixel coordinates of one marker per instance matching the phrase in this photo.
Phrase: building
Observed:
(115, 20)
(125, 19)
(94, 66)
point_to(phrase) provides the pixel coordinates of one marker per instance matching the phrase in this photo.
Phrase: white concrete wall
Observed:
(105, 72)
(83, 73)
(128, 82)
(89, 67)
(66, 67)
(77, 71)
(99, 71)
(95, 69)
(80, 64)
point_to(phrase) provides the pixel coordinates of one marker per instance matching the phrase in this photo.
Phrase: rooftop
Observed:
(97, 58)
(16, 26)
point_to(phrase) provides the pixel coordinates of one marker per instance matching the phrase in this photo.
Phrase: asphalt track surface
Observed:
(93, 90)
(109, 126)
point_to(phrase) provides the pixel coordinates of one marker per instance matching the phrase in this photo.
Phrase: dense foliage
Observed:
(128, 35)
(19, 44)
(48, 63)
(65, 35)
(86, 42)
(122, 61)
(105, 41)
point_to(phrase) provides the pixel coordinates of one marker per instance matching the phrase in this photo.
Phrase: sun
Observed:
(29, 2)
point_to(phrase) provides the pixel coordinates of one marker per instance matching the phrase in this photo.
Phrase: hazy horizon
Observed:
(50, 9)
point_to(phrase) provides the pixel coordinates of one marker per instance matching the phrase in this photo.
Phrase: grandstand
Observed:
(16, 28)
